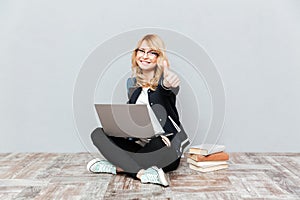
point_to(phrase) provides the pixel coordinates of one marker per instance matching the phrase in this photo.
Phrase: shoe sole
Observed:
(91, 163)
(162, 177)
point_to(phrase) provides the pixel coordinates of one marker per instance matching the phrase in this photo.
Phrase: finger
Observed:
(167, 143)
(166, 67)
(168, 78)
(173, 79)
(177, 83)
(166, 140)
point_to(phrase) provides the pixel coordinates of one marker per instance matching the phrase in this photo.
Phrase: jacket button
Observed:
(160, 120)
(151, 104)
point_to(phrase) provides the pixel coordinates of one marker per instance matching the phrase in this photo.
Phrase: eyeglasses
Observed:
(150, 54)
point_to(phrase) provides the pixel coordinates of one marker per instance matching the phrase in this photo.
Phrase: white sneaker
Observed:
(101, 166)
(154, 175)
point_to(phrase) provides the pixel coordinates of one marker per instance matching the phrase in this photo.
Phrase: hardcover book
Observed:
(221, 156)
(206, 149)
(206, 163)
(208, 169)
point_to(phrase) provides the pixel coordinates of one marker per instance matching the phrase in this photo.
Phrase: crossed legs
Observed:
(132, 158)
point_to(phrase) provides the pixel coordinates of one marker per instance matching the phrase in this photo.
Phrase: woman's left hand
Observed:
(166, 140)
(170, 78)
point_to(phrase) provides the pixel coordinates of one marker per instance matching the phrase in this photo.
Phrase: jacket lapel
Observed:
(134, 93)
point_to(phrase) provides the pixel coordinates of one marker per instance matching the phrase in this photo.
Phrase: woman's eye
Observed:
(141, 51)
(153, 53)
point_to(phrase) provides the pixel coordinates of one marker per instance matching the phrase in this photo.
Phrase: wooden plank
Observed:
(64, 176)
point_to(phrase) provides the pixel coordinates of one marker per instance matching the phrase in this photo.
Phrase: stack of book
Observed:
(207, 157)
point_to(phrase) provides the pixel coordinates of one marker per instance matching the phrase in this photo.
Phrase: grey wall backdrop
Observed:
(255, 45)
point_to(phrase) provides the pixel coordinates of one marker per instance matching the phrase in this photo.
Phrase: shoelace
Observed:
(103, 166)
(151, 176)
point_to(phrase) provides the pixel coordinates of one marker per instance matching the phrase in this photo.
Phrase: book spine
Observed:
(222, 156)
(210, 169)
(206, 163)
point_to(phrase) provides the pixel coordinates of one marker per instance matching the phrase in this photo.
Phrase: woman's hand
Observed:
(166, 140)
(170, 78)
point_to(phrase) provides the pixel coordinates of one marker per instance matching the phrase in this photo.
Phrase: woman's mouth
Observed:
(145, 62)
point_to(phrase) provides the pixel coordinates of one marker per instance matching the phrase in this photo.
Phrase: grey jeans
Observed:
(132, 157)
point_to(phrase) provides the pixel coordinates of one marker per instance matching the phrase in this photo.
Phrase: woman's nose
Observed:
(145, 55)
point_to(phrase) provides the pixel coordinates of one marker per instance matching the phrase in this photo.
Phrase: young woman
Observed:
(155, 85)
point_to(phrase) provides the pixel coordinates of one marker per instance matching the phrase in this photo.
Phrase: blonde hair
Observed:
(155, 43)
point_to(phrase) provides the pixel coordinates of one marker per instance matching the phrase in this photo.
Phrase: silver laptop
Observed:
(128, 120)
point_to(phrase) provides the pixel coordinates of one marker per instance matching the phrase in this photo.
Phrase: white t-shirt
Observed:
(144, 99)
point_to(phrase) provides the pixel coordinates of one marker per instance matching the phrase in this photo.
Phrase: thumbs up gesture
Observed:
(170, 78)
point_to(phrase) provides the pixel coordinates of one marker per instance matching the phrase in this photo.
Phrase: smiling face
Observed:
(146, 58)
(147, 61)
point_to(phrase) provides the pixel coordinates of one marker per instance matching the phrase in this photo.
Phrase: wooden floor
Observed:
(64, 176)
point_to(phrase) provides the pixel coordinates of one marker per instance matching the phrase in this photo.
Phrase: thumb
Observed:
(166, 67)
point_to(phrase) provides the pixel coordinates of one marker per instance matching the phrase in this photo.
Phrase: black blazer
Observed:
(162, 102)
